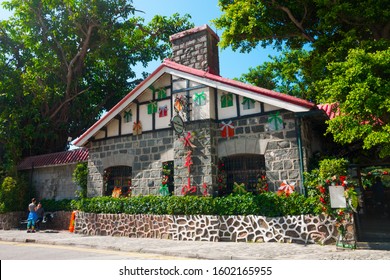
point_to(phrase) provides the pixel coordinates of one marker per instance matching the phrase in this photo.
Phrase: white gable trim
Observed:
(239, 91)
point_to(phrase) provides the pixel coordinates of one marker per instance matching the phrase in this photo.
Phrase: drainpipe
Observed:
(300, 151)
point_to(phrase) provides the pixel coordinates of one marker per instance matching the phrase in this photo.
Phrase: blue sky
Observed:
(232, 64)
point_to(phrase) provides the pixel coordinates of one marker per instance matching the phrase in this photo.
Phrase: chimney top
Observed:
(193, 31)
(196, 48)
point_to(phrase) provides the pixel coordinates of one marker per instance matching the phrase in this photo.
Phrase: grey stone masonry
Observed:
(197, 48)
(144, 153)
(280, 149)
(202, 173)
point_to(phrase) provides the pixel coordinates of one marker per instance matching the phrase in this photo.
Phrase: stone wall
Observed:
(145, 154)
(12, 220)
(53, 182)
(280, 149)
(298, 229)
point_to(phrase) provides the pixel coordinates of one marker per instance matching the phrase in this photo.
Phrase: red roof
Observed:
(61, 158)
(331, 110)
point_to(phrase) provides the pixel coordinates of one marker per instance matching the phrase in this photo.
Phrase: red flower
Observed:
(322, 200)
(322, 189)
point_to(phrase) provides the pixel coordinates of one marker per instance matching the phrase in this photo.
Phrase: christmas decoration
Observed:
(285, 188)
(227, 129)
(221, 179)
(152, 107)
(275, 121)
(163, 111)
(137, 128)
(200, 99)
(188, 162)
(187, 140)
(239, 188)
(161, 93)
(248, 103)
(128, 116)
(164, 190)
(205, 190)
(226, 100)
(262, 185)
(117, 191)
(179, 103)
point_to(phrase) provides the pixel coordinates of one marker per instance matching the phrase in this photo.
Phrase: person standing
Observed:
(32, 216)
(40, 214)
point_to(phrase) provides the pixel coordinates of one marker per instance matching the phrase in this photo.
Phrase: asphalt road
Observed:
(34, 251)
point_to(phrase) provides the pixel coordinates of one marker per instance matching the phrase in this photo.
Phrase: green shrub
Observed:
(265, 204)
(80, 178)
(51, 205)
(13, 195)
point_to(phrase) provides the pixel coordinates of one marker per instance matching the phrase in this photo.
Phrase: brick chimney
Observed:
(197, 48)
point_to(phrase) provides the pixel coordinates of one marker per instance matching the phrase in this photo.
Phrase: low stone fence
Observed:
(299, 229)
(12, 220)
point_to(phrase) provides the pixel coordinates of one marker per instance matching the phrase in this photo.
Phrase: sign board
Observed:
(337, 198)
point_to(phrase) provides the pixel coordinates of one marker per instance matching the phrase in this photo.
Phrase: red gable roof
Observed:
(168, 65)
(61, 158)
(330, 110)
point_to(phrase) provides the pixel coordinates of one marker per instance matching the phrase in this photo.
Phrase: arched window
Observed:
(244, 168)
(118, 178)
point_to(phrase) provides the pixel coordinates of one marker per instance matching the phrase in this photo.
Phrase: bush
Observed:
(13, 194)
(266, 204)
(51, 205)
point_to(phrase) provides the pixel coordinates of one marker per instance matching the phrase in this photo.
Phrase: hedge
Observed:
(266, 204)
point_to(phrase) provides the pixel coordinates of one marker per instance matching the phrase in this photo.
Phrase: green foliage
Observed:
(346, 58)
(13, 194)
(80, 177)
(63, 63)
(332, 167)
(51, 205)
(360, 84)
(265, 204)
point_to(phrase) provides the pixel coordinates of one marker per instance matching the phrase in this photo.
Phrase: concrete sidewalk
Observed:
(203, 250)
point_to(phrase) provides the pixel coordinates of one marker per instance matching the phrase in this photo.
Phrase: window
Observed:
(244, 169)
(117, 179)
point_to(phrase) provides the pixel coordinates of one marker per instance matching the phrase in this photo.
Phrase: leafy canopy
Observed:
(63, 62)
(333, 51)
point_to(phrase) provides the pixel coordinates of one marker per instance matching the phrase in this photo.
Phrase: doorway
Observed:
(373, 217)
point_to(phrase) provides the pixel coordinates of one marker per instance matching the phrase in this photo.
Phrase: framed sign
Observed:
(337, 198)
(178, 124)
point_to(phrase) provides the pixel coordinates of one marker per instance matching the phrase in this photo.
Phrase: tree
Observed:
(361, 87)
(63, 62)
(336, 35)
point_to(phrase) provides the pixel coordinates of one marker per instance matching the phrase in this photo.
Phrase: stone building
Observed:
(185, 129)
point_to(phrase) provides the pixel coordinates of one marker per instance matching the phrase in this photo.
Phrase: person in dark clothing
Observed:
(40, 214)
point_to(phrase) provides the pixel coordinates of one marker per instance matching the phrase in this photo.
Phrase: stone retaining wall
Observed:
(298, 229)
(12, 220)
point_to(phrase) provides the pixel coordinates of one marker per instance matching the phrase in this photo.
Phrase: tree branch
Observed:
(298, 24)
(52, 115)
